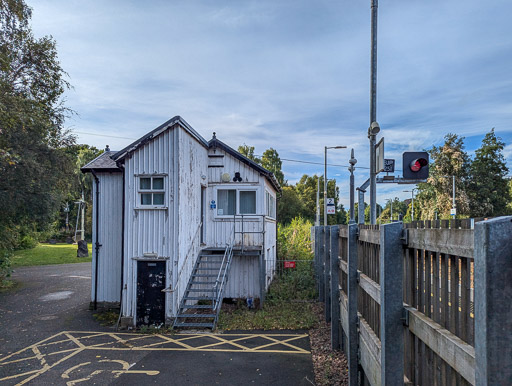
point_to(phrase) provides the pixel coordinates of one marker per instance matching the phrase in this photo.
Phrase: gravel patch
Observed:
(330, 366)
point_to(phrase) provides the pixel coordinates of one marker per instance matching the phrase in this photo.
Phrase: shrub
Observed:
(294, 240)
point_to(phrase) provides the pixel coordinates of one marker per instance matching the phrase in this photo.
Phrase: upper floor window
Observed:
(151, 191)
(233, 201)
(271, 205)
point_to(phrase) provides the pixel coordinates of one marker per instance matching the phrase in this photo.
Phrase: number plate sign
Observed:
(389, 165)
(331, 208)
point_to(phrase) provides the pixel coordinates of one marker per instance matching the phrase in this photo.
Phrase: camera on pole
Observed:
(415, 165)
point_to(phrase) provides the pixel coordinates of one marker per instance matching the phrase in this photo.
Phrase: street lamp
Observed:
(351, 168)
(412, 205)
(325, 178)
(391, 203)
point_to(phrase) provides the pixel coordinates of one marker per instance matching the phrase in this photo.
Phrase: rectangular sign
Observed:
(389, 165)
(379, 156)
(453, 211)
(289, 264)
(331, 209)
(330, 201)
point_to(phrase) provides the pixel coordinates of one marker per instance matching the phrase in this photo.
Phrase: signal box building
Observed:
(179, 223)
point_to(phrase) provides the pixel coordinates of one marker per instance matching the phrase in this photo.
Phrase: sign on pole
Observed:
(389, 165)
(331, 208)
(379, 156)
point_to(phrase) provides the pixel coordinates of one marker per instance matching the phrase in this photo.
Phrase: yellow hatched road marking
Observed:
(284, 342)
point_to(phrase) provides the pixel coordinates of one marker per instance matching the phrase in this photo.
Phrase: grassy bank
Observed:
(44, 254)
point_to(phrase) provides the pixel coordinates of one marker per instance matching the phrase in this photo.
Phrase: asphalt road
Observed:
(48, 299)
(49, 337)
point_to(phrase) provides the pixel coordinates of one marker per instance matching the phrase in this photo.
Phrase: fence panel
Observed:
(438, 275)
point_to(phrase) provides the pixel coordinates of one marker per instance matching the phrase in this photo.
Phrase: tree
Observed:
(248, 151)
(307, 190)
(33, 160)
(271, 161)
(488, 187)
(289, 205)
(435, 196)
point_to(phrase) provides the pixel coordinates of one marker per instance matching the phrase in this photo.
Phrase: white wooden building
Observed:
(177, 221)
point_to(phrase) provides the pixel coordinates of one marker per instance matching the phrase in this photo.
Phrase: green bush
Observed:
(294, 240)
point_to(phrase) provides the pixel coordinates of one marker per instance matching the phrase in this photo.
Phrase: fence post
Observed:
(493, 291)
(321, 263)
(391, 304)
(327, 273)
(335, 292)
(353, 320)
(317, 257)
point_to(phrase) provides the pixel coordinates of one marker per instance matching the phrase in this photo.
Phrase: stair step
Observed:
(202, 290)
(197, 306)
(197, 315)
(204, 275)
(197, 298)
(205, 325)
(207, 269)
(203, 282)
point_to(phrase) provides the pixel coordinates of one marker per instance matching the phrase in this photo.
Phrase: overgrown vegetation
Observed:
(289, 302)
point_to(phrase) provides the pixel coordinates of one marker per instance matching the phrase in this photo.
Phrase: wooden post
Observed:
(335, 293)
(353, 320)
(493, 291)
(391, 304)
(327, 273)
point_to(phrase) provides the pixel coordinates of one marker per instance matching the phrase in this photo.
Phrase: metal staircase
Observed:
(202, 300)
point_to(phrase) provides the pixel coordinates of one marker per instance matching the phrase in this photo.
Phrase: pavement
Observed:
(50, 337)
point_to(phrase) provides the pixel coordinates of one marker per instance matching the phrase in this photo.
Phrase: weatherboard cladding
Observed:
(148, 231)
(109, 236)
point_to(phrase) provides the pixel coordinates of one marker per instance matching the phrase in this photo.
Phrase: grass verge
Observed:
(278, 315)
(44, 254)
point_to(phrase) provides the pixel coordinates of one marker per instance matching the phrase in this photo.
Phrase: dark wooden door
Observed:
(150, 298)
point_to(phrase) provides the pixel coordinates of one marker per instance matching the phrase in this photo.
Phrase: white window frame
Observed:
(151, 191)
(238, 189)
(268, 212)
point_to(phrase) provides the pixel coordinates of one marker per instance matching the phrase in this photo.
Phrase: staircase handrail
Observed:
(225, 261)
(186, 257)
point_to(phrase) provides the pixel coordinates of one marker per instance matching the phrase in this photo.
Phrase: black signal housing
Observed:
(415, 165)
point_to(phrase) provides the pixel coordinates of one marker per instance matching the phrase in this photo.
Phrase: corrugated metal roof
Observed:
(103, 162)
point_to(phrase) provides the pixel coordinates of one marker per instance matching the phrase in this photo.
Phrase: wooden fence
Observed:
(427, 303)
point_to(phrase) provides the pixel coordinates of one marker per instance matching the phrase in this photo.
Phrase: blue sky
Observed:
(292, 75)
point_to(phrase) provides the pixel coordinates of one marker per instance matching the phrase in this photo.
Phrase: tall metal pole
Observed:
(325, 186)
(453, 195)
(373, 114)
(412, 208)
(317, 222)
(351, 168)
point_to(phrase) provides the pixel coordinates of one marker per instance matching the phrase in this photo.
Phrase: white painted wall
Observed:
(149, 231)
(109, 236)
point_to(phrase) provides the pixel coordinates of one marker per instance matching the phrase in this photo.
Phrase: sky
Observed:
(291, 75)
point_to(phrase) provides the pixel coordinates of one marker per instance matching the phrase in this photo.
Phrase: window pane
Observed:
(158, 198)
(226, 202)
(145, 199)
(158, 183)
(248, 202)
(145, 183)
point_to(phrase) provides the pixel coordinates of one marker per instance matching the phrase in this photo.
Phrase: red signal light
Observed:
(417, 164)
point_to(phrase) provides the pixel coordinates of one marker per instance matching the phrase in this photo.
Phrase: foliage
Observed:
(271, 161)
(33, 161)
(488, 188)
(282, 315)
(399, 208)
(248, 151)
(294, 240)
(435, 196)
(45, 254)
(307, 189)
(289, 205)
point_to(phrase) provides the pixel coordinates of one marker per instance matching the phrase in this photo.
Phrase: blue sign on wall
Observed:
(213, 205)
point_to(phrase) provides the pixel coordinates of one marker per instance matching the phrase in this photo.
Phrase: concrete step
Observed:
(202, 325)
